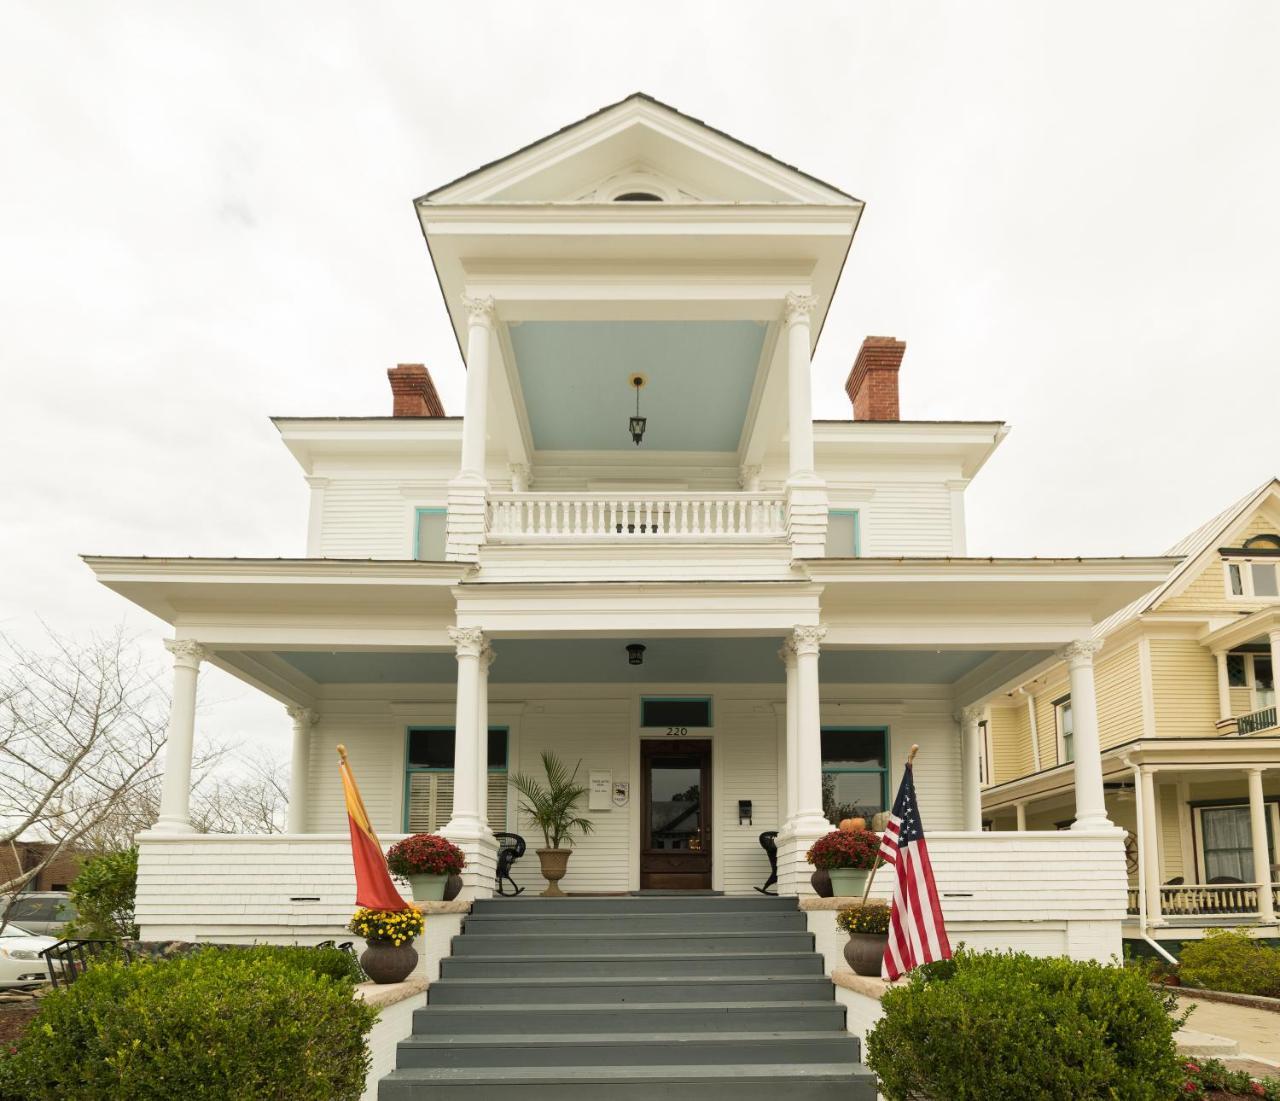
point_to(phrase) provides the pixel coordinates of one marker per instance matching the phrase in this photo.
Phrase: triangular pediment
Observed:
(636, 147)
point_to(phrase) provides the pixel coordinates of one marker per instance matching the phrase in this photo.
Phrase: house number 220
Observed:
(677, 731)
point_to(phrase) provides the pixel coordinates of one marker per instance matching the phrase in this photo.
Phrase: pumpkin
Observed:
(852, 825)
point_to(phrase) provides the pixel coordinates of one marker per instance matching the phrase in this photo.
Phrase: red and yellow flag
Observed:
(374, 888)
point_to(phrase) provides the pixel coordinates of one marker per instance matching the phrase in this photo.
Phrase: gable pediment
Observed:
(638, 145)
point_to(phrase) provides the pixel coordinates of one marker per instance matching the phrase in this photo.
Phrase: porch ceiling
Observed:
(666, 661)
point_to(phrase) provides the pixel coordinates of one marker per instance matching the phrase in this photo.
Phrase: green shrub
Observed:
(1233, 961)
(212, 1026)
(1009, 1027)
(103, 892)
(331, 963)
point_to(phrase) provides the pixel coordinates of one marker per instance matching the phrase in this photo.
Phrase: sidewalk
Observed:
(1257, 1031)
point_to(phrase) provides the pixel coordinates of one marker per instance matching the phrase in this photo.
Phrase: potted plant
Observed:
(390, 955)
(426, 860)
(552, 808)
(867, 924)
(848, 855)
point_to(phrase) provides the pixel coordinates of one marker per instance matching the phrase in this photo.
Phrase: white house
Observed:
(476, 588)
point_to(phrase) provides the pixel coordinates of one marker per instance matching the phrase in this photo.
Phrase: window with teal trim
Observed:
(428, 778)
(429, 534)
(844, 534)
(675, 712)
(855, 773)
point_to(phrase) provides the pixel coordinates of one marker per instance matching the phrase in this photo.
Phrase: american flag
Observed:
(916, 931)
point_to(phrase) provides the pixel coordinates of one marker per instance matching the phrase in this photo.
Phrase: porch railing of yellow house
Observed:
(1256, 720)
(1207, 900)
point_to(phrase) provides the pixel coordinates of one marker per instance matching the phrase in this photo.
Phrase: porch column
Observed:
(1091, 807)
(175, 793)
(1020, 809)
(787, 655)
(971, 771)
(1224, 688)
(466, 521)
(303, 721)
(1150, 840)
(467, 828)
(808, 822)
(487, 658)
(1261, 853)
(1273, 638)
(806, 493)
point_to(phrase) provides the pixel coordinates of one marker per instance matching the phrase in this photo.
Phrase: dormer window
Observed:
(638, 197)
(1253, 569)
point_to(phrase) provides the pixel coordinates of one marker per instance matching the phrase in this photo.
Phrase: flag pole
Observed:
(911, 756)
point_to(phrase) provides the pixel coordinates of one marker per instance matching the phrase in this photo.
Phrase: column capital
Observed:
(749, 477)
(303, 717)
(971, 715)
(480, 310)
(1080, 652)
(186, 652)
(787, 653)
(468, 642)
(487, 657)
(807, 638)
(519, 477)
(797, 307)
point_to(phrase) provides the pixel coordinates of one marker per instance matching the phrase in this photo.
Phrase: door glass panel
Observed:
(675, 809)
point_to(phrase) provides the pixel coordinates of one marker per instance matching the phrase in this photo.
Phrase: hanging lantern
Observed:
(636, 424)
(635, 654)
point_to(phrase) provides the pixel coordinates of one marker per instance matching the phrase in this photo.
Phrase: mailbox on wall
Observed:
(744, 812)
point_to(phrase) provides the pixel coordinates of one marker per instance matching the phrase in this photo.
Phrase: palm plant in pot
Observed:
(848, 855)
(426, 860)
(868, 927)
(552, 807)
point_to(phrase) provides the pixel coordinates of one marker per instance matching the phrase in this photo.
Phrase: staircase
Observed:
(626, 998)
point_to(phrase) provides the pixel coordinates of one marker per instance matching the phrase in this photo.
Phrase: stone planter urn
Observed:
(453, 888)
(427, 887)
(864, 952)
(821, 880)
(848, 882)
(555, 862)
(385, 962)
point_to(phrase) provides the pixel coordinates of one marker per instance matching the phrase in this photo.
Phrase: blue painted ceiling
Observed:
(690, 661)
(575, 374)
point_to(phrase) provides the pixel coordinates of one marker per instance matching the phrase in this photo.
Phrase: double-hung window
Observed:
(855, 772)
(429, 534)
(1226, 842)
(1066, 730)
(428, 779)
(844, 533)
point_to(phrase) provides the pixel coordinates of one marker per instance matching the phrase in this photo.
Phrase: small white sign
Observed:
(601, 789)
(621, 793)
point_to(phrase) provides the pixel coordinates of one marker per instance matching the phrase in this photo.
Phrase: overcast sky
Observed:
(205, 218)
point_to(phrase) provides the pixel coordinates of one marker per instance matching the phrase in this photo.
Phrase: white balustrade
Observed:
(590, 517)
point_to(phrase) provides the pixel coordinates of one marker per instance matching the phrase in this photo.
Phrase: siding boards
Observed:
(1208, 592)
(1185, 681)
(907, 518)
(366, 518)
(1011, 741)
(1119, 687)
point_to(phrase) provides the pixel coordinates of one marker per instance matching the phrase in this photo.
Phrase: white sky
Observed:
(205, 218)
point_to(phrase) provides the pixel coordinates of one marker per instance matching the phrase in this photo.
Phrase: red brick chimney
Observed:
(872, 385)
(412, 391)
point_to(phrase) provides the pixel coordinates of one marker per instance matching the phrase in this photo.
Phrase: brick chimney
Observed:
(872, 385)
(412, 391)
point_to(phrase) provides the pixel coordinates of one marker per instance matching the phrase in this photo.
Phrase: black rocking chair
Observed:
(769, 842)
(510, 849)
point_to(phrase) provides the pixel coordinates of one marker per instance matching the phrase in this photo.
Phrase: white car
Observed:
(21, 965)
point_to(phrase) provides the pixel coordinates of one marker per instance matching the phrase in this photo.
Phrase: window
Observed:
(1264, 682)
(1066, 730)
(844, 539)
(675, 712)
(428, 779)
(855, 773)
(429, 534)
(638, 197)
(1226, 841)
(1266, 541)
(1253, 579)
(1236, 675)
(1263, 575)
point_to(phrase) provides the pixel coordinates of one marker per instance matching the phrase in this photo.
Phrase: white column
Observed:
(1224, 687)
(487, 658)
(799, 388)
(1273, 637)
(809, 815)
(469, 643)
(1091, 807)
(1020, 809)
(787, 655)
(971, 771)
(480, 320)
(303, 721)
(1261, 854)
(1150, 841)
(1033, 727)
(175, 793)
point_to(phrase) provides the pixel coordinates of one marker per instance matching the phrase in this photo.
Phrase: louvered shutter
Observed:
(498, 802)
(431, 801)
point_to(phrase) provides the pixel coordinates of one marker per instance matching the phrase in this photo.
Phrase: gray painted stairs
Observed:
(631, 998)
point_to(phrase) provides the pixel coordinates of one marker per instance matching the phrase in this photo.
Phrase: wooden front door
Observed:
(675, 814)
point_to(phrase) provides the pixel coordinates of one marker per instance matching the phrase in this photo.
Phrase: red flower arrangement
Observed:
(425, 854)
(854, 849)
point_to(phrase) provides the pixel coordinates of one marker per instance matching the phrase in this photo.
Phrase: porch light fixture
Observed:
(635, 653)
(636, 424)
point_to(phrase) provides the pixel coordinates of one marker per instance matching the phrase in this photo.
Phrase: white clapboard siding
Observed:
(366, 518)
(746, 749)
(907, 518)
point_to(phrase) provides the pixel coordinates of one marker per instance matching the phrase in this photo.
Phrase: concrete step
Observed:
(631, 904)
(560, 944)
(841, 1081)
(696, 921)
(612, 990)
(628, 1049)
(631, 965)
(564, 1019)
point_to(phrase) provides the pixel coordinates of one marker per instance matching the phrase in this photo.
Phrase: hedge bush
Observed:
(103, 893)
(212, 1026)
(1011, 1027)
(1231, 960)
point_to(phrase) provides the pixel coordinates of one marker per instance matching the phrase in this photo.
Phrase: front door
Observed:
(675, 815)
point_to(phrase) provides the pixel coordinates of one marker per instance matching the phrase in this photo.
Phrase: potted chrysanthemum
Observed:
(848, 856)
(426, 860)
(868, 927)
(390, 955)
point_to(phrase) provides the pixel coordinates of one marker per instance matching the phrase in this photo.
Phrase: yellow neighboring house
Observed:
(1191, 747)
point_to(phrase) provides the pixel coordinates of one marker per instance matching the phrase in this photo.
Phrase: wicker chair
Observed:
(769, 842)
(510, 849)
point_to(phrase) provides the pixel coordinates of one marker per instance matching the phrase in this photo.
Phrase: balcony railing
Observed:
(636, 517)
(1256, 720)
(1207, 900)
